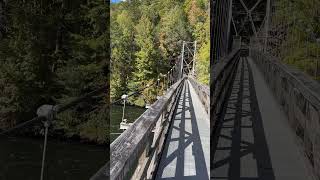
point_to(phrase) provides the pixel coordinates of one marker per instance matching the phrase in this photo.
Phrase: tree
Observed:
(146, 57)
(122, 53)
(52, 52)
(198, 17)
(147, 38)
(173, 29)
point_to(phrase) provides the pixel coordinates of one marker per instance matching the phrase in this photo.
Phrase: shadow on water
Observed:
(240, 151)
(20, 159)
(183, 135)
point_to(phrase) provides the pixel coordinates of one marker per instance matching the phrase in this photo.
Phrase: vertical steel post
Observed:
(169, 79)
(194, 58)
(48, 112)
(158, 84)
(164, 83)
(182, 57)
(267, 25)
(123, 108)
(229, 22)
(46, 126)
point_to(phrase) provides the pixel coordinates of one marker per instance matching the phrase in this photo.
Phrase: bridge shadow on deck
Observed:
(240, 151)
(183, 156)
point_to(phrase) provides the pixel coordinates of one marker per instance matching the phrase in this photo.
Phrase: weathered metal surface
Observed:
(299, 97)
(203, 93)
(141, 143)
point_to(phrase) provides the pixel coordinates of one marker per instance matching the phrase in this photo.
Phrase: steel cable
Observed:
(140, 90)
(60, 108)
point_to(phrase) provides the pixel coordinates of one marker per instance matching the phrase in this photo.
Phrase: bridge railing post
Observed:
(48, 112)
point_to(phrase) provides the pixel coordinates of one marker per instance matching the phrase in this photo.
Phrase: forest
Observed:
(146, 39)
(53, 51)
(299, 21)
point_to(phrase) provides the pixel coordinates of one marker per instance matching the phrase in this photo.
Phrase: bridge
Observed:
(260, 118)
(264, 115)
(264, 120)
(171, 139)
(266, 126)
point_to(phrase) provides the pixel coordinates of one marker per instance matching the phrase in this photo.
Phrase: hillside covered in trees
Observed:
(51, 52)
(296, 25)
(146, 39)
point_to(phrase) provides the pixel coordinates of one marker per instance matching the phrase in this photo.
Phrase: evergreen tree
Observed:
(146, 57)
(147, 38)
(122, 52)
(173, 30)
(54, 51)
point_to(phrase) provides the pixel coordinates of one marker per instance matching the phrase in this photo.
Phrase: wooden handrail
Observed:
(135, 152)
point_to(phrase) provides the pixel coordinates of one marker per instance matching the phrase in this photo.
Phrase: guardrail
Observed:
(299, 96)
(203, 93)
(136, 152)
(221, 80)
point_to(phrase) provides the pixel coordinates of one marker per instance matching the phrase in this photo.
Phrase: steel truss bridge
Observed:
(265, 115)
(259, 120)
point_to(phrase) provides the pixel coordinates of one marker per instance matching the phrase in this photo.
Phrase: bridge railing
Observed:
(203, 93)
(221, 80)
(299, 96)
(136, 152)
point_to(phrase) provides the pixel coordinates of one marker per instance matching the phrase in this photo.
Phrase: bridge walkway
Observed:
(186, 153)
(254, 139)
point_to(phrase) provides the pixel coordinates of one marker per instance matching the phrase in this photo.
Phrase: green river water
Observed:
(131, 114)
(20, 157)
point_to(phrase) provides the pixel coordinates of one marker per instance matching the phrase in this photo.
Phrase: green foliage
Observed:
(52, 52)
(122, 53)
(203, 64)
(96, 128)
(146, 57)
(146, 38)
(301, 47)
(173, 30)
(198, 17)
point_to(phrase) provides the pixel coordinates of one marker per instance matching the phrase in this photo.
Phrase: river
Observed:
(20, 159)
(131, 114)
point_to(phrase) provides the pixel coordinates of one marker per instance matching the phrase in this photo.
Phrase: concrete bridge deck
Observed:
(254, 139)
(186, 154)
